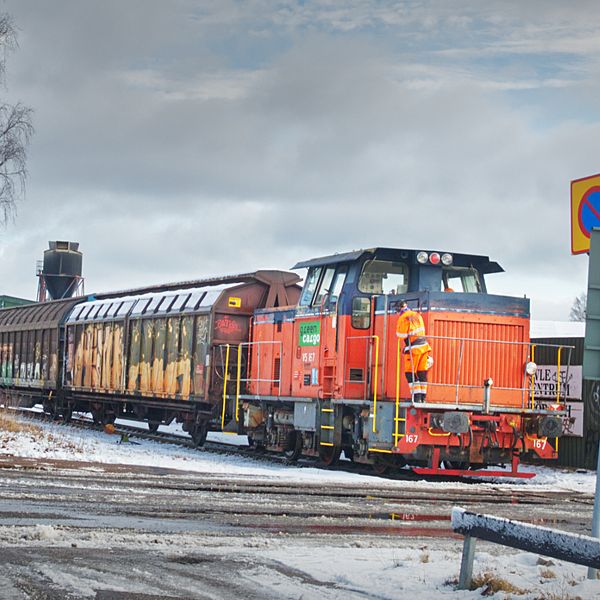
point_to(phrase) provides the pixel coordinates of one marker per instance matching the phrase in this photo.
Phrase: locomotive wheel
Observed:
(381, 466)
(349, 453)
(455, 464)
(199, 433)
(258, 445)
(293, 448)
(329, 455)
(153, 426)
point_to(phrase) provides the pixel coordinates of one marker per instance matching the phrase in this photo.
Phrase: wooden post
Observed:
(466, 565)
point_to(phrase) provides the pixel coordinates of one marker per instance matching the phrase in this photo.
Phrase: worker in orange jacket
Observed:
(417, 352)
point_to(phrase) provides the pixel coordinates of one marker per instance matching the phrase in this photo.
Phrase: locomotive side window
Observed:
(461, 279)
(310, 286)
(338, 284)
(324, 287)
(361, 313)
(384, 277)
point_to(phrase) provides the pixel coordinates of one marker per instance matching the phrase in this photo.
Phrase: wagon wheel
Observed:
(329, 455)
(153, 426)
(97, 416)
(109, 418)
(293, 447)
(50, 409)
(67, 413)
(199, 433)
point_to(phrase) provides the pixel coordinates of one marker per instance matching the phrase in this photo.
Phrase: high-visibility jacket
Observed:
(411, 327)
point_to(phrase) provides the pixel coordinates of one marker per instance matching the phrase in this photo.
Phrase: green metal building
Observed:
(10, 301)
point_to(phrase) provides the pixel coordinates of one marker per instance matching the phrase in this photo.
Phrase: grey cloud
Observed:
(170, 156)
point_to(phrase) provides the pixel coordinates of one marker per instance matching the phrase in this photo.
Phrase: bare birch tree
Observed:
(15, 132)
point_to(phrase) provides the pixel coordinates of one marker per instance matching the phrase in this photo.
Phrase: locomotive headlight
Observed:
(422, 257)
(530, 368)
(447, 259)
(434, 258)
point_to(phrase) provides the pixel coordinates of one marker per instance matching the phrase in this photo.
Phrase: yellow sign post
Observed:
(585, 212)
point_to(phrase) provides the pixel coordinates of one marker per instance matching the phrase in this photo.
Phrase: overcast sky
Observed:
(179, 139)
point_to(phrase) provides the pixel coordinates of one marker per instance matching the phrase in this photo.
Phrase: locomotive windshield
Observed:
(384, 277)
(461, 279)
(323, 286)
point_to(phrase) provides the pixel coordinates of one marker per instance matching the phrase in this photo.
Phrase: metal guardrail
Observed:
(527, 388)
(238, 377)
(578, 549)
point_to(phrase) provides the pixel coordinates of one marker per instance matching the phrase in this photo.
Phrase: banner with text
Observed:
(546, 382)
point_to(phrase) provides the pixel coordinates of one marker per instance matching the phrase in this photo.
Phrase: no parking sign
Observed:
(585, 212)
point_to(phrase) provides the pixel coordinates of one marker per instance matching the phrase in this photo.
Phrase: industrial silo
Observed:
(61, 271)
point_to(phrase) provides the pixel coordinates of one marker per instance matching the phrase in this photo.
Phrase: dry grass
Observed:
(492, 583)
(10, 424)
(548, 574)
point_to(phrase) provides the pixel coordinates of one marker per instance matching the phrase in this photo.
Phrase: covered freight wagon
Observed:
(158, 356)
(30, 354)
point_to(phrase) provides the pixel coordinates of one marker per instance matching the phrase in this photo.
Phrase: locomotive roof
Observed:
(483, 263)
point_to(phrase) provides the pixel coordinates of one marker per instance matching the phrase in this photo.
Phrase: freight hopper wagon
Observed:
(154, 355)
(327, 375)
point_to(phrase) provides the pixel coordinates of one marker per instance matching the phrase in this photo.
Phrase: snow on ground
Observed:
(70, 443)
(418, 568)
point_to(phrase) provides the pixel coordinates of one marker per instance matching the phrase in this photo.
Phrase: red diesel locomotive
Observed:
(326, 376)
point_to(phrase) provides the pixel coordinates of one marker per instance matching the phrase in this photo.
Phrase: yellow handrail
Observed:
(558, 378)
(533, 378)
(237, 384)
(558, 387)
(225, 387)
(396, 436)
(376, 338)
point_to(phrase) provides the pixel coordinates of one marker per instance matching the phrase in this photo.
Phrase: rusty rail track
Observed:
(77, 420)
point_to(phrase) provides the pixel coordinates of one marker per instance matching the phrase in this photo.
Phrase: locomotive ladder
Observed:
(399, 413)
(327, 437)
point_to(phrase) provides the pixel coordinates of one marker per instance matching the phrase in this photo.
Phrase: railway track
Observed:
(131, 431)
(375, 507)
(215, 447)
